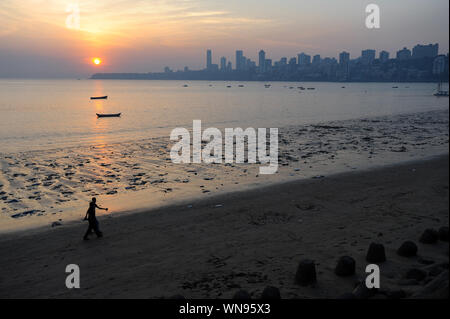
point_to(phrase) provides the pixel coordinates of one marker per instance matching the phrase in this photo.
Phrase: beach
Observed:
(43, 187)
(214, 246)
(200, 154)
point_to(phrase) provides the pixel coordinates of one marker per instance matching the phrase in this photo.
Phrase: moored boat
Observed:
(441, 94)
(109, 115)
(99, 97)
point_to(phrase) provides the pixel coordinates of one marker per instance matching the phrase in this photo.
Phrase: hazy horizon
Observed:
(146, 36)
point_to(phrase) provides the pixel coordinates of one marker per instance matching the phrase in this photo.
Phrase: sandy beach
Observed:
(218, 245)
(225, 158)
(42, 187)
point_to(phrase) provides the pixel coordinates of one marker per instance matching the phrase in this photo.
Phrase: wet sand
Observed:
(215, 246)
(43, 187)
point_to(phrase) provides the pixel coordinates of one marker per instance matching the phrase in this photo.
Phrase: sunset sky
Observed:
(146, 35)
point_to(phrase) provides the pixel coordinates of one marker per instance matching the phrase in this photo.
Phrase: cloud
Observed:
(117, 22)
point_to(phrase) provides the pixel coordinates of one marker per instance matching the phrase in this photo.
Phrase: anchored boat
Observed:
(99, 97)
(109, 115)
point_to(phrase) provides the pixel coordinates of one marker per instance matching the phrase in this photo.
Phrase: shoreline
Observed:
(157, 137)
(214, 197)
(202, 252)
(161, 77)
(42, 187)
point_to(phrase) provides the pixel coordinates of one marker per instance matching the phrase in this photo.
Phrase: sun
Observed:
(97, 61)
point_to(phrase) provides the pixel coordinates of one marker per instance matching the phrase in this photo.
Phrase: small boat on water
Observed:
(441, 94)
(109, 115)
(99, 97)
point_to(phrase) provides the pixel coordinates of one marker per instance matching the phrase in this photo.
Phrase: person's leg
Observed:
(89, 230)
(97, 229)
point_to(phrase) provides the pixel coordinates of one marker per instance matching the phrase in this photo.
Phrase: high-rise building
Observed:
(304, 59)
(239, 60)
(249, 64)
(229, 67)
(367, 56)
(292, 66)
(384, 56)
(223, 63)
(404, 54)
(425, 51)
(344, 58)
(316, 60)
(268, 65)
(262, 61)
(208, 59)
(439, 64)
(344, 64)
(214, 68)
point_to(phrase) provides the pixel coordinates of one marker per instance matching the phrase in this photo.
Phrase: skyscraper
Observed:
(262, 61)
(223, 63)
(367, 56)
(304, 59)
(249, 64)
(268, 65)
(316, 60)
(208, 59)
(384, 56)
(344, 58)
(404, 54)
(425, 51)
(239, 60)
(439, 65)
(344, 65)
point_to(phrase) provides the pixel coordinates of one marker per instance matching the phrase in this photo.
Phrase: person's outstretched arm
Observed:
(100, 207)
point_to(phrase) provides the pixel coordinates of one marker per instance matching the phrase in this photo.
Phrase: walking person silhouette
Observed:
(93, 222)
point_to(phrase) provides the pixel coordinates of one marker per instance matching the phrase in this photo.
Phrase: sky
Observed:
(40, 38)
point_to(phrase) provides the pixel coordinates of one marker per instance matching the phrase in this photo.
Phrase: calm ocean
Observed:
(46, 114)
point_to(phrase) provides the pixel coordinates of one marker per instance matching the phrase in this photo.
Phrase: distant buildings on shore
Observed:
(423, 63)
